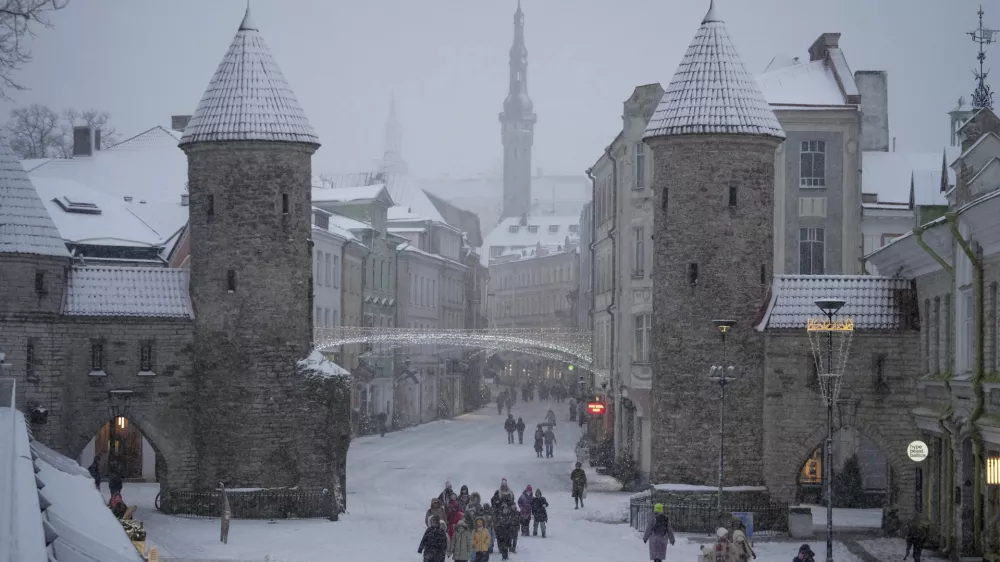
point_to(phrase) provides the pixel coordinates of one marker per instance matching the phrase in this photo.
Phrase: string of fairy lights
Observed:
(560, 344)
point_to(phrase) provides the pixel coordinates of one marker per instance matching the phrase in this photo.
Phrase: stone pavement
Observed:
(886, 550)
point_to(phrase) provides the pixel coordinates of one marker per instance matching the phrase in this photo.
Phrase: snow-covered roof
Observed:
(547, 231)
(350, 194)
(248, 98)
(889, 174)
(871, 302)
(316, 365)
(712, 92)
(86, 216)
(347, 223)
(127, 291)
(801, 83)
(406, 192)
(147, 168)
(25, 224)
(927, 188)
(51, 510)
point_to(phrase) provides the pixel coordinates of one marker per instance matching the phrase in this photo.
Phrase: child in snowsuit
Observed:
(539, 509)
(461, 543)
(434, 544)
(481, 541)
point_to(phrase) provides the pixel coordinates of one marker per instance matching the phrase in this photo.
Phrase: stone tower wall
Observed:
(254, 418)
(517, 136)
(730, 245)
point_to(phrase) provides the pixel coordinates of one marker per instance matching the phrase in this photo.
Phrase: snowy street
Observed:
(391, 481)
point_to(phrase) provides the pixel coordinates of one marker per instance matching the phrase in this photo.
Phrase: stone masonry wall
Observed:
(795, 413)
(733, 250)
(59, 380)
(256, 425)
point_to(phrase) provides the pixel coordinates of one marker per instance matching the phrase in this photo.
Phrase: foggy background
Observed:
(446, 60)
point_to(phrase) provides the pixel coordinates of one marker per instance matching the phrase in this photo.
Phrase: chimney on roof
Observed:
(179, 122)
(185, 199)
(873, 86)
(86, 140)
(822, 45)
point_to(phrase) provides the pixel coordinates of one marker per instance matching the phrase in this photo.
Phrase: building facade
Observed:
(517, 128)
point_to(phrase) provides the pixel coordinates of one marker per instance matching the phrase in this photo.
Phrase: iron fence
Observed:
(251, 504)
(768, 519)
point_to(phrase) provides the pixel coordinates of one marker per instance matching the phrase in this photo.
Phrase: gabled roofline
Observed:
(967, 151)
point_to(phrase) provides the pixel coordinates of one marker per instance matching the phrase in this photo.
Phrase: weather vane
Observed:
(983, 96)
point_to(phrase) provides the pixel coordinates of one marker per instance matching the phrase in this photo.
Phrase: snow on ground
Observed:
(847, 518)
(392, 480)
(892, 550)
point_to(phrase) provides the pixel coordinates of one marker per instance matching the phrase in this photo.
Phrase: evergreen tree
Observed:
(848, 486)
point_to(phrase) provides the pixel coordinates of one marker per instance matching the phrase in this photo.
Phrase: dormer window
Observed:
(533, 229)
(573, 228)
(75, 205)
(513, 229)
(553, 228)
(231, 280)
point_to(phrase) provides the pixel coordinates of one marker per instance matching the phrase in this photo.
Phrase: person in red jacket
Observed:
(454, 513)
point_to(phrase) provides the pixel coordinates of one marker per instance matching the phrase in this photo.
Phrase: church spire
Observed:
(517, 101)
(393, 156)
(517, 128)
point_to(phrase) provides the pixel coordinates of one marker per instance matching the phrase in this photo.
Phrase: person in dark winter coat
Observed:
(501, 400)
(504, 522)
(524, 510)
(550, 441)
(434, 544)
(539, 439)
(515, 523)
(572, 410)
(917, 534)
(806, 554)
(506, 494)
(509, 426)
(95, 471)
(464, 498)
(445, 496)
(579, 479)
(540, 511)
(436, 510)
(520, 431)
(658, 533)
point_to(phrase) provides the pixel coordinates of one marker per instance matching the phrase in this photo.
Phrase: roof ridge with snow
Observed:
(712, 92)
(248, 98)
(25, 224)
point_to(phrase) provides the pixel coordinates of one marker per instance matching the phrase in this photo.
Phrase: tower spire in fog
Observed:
(517, 128)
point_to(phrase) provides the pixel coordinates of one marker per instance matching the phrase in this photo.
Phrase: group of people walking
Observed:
(467, 529)
(731, 545)
(544, 433)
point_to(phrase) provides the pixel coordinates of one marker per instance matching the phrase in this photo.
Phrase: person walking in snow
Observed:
(540, 511)
(382, 421)
(550, 418)
(464, 499)
(524, 510)
(738, 535)
(539, 439)
(721, 551)
(505, 494)
(481, 541)
(95, 471)
(445, 496)
(572, 410)
(503, 522)
(436, 510)
(501, 400)
(461, 543)
(434, 544)
(806, 554)
(579, 479)
(515, 523)
(520, 431)
(550, 441)
(510, 426)
(454, 514)
(658, 534)
(917, 533)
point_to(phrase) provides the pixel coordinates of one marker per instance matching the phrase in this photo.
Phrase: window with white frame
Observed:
(322, 268)
(640, 165)
(639, 252)
(812, 258)
(812, 160)
(640, 341)
(336, 271)
(574, 228)
(513, 229)
(533, 228)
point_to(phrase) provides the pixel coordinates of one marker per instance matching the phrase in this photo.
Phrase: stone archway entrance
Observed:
(862, 474)
(121, 448)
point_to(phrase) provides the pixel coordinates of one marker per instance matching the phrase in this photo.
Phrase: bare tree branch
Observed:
(18, 21)
(33, 131)
(91, 118)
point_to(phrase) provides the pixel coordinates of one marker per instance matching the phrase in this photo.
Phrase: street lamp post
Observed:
(722, 375)
(830, 389)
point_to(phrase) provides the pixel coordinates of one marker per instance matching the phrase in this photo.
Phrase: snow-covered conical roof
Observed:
(248, 98)
(712, 93)
(25, 224)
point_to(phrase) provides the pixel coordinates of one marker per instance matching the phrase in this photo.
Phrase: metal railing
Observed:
(768, 519)
(251, 504)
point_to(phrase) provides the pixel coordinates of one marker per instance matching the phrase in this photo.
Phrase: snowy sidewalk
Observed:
(391, 481)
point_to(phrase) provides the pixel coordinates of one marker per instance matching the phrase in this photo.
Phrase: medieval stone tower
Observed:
(713, 138)
(249, 148)
(517, 128)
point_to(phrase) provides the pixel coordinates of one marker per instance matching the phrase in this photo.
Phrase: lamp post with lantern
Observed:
(722, 374)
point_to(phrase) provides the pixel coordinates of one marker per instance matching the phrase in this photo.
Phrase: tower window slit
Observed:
(231, 280)
(732, 194)
(763, 275)
(211, 205)
(284, 203)
(663, 201)
(693, 274)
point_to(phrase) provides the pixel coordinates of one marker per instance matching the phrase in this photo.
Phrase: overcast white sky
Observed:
(144, 60)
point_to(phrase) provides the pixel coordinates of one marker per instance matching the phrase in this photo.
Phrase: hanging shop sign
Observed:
(917, 451)
(595, 407)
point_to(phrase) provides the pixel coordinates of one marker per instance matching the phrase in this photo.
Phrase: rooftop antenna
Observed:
(983, 96)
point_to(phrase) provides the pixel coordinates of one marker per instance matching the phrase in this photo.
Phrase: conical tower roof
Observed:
(248, 98)
(712, 93)
(25, 224)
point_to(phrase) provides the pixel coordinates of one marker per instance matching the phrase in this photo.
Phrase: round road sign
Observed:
(917, 451)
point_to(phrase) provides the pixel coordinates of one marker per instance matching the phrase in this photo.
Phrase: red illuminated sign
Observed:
(595, 408)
